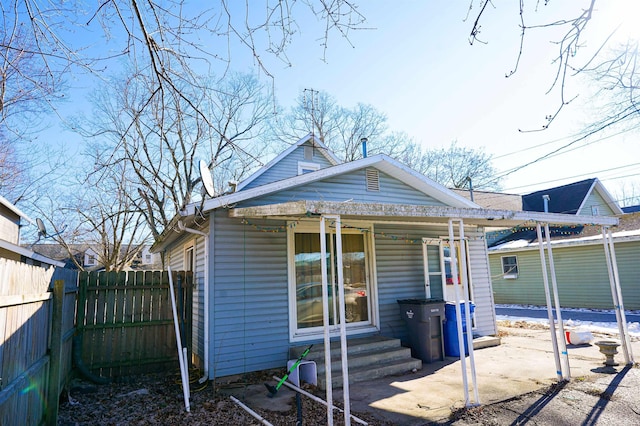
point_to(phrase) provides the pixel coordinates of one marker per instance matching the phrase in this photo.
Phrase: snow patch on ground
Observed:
(594, 327)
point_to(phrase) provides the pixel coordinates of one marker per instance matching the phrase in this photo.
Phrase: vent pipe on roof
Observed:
(364, 141)
(545, 199)
(470, 188)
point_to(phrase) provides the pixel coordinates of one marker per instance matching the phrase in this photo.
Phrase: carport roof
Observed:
(415, 213)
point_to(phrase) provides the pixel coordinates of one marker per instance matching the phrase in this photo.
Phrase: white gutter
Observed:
(182, 227)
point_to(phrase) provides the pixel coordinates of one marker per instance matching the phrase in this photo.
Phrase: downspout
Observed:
(182, 227)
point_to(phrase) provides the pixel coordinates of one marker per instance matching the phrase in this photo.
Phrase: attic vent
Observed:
(308, 153)
(373, 179)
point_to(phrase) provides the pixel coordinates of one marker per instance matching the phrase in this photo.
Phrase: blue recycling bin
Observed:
(451, 345)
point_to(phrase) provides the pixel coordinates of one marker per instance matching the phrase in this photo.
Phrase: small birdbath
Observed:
(608, 348)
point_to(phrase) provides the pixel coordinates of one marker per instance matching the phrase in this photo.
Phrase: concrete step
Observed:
(485, 342)
(370, 372)
(354, 346)
(369, 358)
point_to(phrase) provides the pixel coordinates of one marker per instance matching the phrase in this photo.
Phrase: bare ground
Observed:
(157, 399)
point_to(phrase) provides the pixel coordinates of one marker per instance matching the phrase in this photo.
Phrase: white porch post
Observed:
(325, 320)
(566, 370)
(342, 314)
(552, 323)
(616, 293)
(463, 275)
(343, 324)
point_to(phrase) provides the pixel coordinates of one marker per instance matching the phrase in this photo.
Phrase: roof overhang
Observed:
(14, 209)
(23, 251)
(382, 162)
(175, 229)
(415, 213)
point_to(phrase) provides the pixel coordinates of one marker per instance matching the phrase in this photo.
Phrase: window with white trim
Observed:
(509, 267)
(189, 258)
(307, 167)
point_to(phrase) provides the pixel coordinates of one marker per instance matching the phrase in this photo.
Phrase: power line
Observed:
(557, 151)
(576, 176)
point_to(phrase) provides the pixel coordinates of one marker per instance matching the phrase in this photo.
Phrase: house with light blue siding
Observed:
(257, 256)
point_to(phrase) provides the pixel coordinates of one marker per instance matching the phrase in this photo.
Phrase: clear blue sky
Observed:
(416, 65)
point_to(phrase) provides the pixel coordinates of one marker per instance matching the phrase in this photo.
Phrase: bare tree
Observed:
(27, 84)
(571, 30)
(160, 144)
(171, 40)
(618, 78)
(455, 166)
(12, 169)
(100, 217)
(341, 128)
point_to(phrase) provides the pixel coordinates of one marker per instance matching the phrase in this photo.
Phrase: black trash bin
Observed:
(451, 342)
(424, 318)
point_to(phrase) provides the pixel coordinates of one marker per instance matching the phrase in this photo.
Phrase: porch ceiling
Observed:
(414, 213)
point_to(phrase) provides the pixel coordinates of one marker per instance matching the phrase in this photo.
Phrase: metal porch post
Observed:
(463, 274)
(566, 370)
(616, 293)
(552, 323)
(325, 320)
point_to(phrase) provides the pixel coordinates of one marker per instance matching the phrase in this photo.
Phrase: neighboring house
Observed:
(87, 255)
(581, 269)
(12, 219)
(585, 198)
(631, 209)
(256, 254)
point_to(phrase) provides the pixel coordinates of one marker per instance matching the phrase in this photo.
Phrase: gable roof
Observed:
(382, 162)
(570, 198)
(317, 143)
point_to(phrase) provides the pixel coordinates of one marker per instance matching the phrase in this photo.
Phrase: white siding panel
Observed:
(250, 316)
(176, 261)
(485, 314)
(400, 273)
(350, 187)
(288, 167)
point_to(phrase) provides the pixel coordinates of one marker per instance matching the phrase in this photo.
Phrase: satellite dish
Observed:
(42, 231)
(207, 180)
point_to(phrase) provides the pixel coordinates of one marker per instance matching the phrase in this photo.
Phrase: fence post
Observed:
(55, 353)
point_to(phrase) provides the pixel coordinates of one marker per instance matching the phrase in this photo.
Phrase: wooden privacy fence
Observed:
(35, 341)
(125, 322)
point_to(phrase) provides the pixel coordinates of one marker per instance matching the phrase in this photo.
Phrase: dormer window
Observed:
(307, 167)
